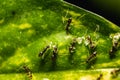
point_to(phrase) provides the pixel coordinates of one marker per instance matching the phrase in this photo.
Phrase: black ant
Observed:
(28, 71)
(92, 46)
(72, 49)
(113, 49)
(72, 46)
(68, 25)
(115, 72)
(54, 57)
(100, 76)
(91, 56)
(44, 50)
(55, 52)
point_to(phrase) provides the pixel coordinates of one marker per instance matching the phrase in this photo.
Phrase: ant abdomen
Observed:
(100, 77)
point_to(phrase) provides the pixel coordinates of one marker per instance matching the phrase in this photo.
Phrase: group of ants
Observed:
(92, 47)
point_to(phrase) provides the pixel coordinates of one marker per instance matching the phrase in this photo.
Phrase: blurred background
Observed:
(109, 9)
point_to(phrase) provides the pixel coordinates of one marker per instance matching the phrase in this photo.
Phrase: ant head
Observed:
(101, 75)
(48, 46)
(55, 47)
(69, 20)
(88, 37)
(24, 66)
(92, 46)
(74, 41)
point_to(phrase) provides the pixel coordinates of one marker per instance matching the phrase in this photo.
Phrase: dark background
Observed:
(109, 9)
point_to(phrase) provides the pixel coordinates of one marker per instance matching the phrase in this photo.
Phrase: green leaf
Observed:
(28, 26)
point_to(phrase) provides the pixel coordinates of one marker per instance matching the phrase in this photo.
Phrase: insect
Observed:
(100, 76)
(90, 42)
(113, 49)
(115, 72)
(28, 71)
(44, 50)
(55, 52)
(111, 53)
(91, 56)
(68, 25)
(72, 46)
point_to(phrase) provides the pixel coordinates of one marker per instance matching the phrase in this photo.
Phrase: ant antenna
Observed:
(97, 28)
(65, 15)
(86, 32)
(81, 16)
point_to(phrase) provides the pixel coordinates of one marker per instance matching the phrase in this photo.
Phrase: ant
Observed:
(115, 72)
(54, 57)
(100, 76)
(91, 56)
(28, 71)
(72, 46)
(113, 49)
(92, 46)
(55, 52)
(68, 25)
(44, 50)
